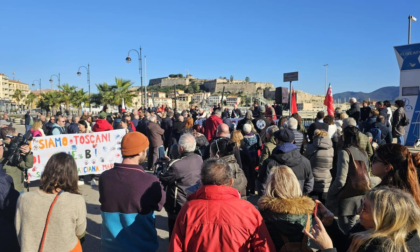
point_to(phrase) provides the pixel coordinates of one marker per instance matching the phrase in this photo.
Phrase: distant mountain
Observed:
(385, 93)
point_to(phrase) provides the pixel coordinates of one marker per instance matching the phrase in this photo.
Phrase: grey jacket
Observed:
(349, 206)
(320, 153)
(397, 128)
(240, 181)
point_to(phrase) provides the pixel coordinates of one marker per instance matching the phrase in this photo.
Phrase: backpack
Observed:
(377, 135)
(301, 246)
(405, 121)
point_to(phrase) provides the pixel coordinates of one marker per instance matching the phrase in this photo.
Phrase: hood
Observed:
(250, 140)
(298, 206)
(286, 147)
(291, 158)
(215, 192)
(322, 143)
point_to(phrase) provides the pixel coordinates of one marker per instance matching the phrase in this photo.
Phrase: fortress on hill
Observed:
(216, 85)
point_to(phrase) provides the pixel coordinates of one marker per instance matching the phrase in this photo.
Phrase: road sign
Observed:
(287, 77)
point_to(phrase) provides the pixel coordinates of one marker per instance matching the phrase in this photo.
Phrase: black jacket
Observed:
(261, 124)
(354, 112)
(288, 154)
(181, 174)
(313, 127)
(364, 113)
(73, 128)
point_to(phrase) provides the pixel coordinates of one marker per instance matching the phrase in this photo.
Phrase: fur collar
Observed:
(300, 205)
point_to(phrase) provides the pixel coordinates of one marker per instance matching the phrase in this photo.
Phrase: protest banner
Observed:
(93, 152)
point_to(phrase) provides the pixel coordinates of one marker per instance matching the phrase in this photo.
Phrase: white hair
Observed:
(187, 141)
(353, 100)
(152, 118)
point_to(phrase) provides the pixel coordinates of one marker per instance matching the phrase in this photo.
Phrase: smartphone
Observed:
(316, 208)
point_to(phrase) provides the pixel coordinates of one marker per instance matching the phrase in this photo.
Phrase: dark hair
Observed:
(222, 146)
(380, 118)
(403, 174)
(84, 123)
(9, 130)
(329, 120)
(60, 172)
(387, 103)
(216, 171)
(320, 115)
(400, 103)
(379, 103)
(351, 138)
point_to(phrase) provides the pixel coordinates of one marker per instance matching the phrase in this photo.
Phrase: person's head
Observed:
(61, 121)
(344, 116)
(43, 118)
(124, 123)
(52, 119)
(37, 125)
(269, 132)
(262, 110)
(215, 171)
(379, 105)
(237, 137)
(387, 213)
(292, 123)
(380, 118)
(351, 137)
(349, 121)
(320, 133)
(284, 135)
(180, 118)
(374, 112)
(248, 115)
(222, 147)
(320, 115)
(247, 128)
(282, 183)
(399, 103)
(152, 118)
(393, 163)
(353, 100)
(186, 143)
(222, 130)
(365, 103)
(387, 103)
(60, 173)
(297, 117)
(189, 123)
(7, 133)
(134, 146)
(170, 114)
(82, 125)
(76, 119)
(329, 119)
(218, 113)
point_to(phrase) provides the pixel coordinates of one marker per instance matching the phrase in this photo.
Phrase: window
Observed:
(410, 91)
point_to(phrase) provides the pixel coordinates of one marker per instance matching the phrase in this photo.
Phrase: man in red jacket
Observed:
(216, 219)
(211, 124)
(102, 125)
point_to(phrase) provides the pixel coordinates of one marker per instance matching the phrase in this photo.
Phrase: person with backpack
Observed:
(285, 210)
(399, 121)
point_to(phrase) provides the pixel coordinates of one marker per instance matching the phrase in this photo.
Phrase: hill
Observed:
(385, 93)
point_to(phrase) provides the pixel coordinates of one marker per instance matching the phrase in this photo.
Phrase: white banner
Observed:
(93, 152)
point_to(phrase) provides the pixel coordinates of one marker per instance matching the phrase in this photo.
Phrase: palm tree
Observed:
(77, 98)
(106, 94)
(65, 95)
(123, 91)
(30, 98)
(50, 100)
(17, 96)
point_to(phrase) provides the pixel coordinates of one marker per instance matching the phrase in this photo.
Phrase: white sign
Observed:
(93, 152)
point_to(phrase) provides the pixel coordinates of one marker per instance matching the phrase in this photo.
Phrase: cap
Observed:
(285, 135)
(133, 143)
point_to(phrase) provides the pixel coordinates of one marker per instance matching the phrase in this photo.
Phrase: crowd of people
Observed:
(340, 182)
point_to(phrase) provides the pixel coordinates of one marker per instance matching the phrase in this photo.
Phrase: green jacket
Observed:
(17, 172)
(269, 146)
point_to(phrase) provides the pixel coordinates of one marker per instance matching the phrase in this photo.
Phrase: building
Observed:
(233, 100)
(200, 97)
(237, 87)
(171, 81)
(9, 87)
(213, 100)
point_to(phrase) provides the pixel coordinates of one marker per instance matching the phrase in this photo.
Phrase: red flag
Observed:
(329, 102)
(293, 109)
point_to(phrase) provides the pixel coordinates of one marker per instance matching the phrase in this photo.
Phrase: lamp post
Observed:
(51, 79)
(33, 85)
(326, 69)
(128, 60)
(88, 80)
(410, 18)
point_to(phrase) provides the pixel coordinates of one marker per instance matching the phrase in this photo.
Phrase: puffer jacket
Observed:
(321, 153)
(288, 154)
(216, 219)
(286, 216)
(240, 181)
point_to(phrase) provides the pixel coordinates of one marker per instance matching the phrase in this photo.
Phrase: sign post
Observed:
(289, 77)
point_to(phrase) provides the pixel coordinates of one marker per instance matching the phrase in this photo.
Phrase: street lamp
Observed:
(88, 80)
(410, 18)
(128, 60)
(326, 68)
(33, 85)
(51, 79)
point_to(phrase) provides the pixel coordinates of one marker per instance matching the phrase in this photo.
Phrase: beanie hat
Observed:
(349, 122)
(292, 123)
(285, 135)
(247, 128)
(133, 143)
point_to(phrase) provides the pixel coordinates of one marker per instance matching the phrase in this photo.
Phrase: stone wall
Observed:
(237, 86)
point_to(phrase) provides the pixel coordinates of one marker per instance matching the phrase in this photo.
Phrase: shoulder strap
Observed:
(41, 246)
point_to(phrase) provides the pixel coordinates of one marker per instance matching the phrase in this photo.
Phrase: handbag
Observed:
(358, 181)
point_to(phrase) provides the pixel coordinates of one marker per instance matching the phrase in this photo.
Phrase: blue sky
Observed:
(208, 39)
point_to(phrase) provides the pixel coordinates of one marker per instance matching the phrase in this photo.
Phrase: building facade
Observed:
(8, 88)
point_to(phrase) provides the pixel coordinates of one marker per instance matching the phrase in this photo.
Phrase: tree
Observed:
(18, 95)
(106, 94)
(231, 78)
(66, 92)
(247, 79)
(49, 101)
(30, 98)
(122, 91)
(77, 98)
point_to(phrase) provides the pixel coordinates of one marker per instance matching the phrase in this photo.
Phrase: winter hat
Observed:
(247, 128)
(262, 109)
(349, 122)
(285, 135)
(292, 123)
(133, 143)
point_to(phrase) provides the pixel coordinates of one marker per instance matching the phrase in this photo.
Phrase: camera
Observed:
(15, 156)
